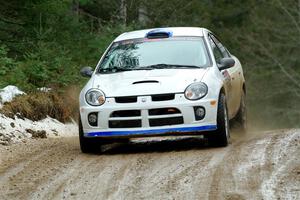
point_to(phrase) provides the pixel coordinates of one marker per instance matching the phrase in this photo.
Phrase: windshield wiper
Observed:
(114, 69)
(167, 66)
(149, 67)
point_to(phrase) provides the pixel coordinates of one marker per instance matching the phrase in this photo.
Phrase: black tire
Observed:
(240, 120)
(221, 136)
(88, 145)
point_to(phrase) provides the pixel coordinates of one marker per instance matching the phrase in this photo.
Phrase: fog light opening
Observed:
(199, 112)
(93, 119)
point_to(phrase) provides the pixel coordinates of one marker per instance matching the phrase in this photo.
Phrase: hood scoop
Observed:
(145, 81)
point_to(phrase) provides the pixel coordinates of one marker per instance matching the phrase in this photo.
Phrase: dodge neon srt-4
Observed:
(162, 82)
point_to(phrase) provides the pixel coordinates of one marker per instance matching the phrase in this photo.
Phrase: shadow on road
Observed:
(151, 146)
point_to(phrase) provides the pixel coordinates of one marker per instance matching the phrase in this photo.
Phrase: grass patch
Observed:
(37, 106)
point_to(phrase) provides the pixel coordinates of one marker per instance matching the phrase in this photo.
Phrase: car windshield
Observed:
(149, 54)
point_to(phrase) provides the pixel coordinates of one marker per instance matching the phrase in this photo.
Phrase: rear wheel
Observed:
(241, 118)
(88, 145)
(221, 136)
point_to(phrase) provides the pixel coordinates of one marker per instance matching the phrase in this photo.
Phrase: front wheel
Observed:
(87, 145)
(221, 136)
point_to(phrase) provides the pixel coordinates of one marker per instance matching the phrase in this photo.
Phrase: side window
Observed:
(221, 47)
(216, 51)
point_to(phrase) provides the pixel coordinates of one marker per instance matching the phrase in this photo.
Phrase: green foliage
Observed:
(6, 63)
(7, 67)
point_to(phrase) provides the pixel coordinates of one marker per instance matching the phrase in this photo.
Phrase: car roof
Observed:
(176, 31)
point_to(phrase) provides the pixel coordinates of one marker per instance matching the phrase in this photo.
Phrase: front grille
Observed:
(166, 121)
(153, 117)
(125, 124)
(125, 119)
(126, 113)
(164, 111)
(162, 97)
(165, 116)
(154, 97)
(130, 99)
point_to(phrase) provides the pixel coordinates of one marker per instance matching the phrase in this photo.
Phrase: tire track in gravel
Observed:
(21, 165)
(261, 167)
(231, 180)
(29, 172)
(281, 163)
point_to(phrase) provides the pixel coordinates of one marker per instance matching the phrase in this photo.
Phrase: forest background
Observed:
(44, 43)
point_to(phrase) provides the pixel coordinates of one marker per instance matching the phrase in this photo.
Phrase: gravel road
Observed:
(255, 166)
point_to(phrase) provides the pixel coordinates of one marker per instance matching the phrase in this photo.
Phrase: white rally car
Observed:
(162, 82)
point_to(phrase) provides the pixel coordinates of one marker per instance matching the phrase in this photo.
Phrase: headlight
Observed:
(95, 97)
(195, 91)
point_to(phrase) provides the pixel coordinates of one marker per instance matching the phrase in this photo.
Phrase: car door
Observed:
(231, 76)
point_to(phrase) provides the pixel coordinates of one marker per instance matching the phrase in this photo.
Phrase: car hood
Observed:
(146, 82)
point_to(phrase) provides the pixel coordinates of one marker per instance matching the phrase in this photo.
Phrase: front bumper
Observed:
(144, 104)
(153, 132)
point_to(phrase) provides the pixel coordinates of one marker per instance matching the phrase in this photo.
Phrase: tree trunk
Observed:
(123, 11)
(75, 8)
(142, 14)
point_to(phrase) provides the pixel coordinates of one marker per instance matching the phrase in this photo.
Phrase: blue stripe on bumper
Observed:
(152, 131)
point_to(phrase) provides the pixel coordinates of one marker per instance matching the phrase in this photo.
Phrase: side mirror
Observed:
(226, 63)
(86, 71)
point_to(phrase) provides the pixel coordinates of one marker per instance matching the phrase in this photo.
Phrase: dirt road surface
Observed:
(262, 166)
